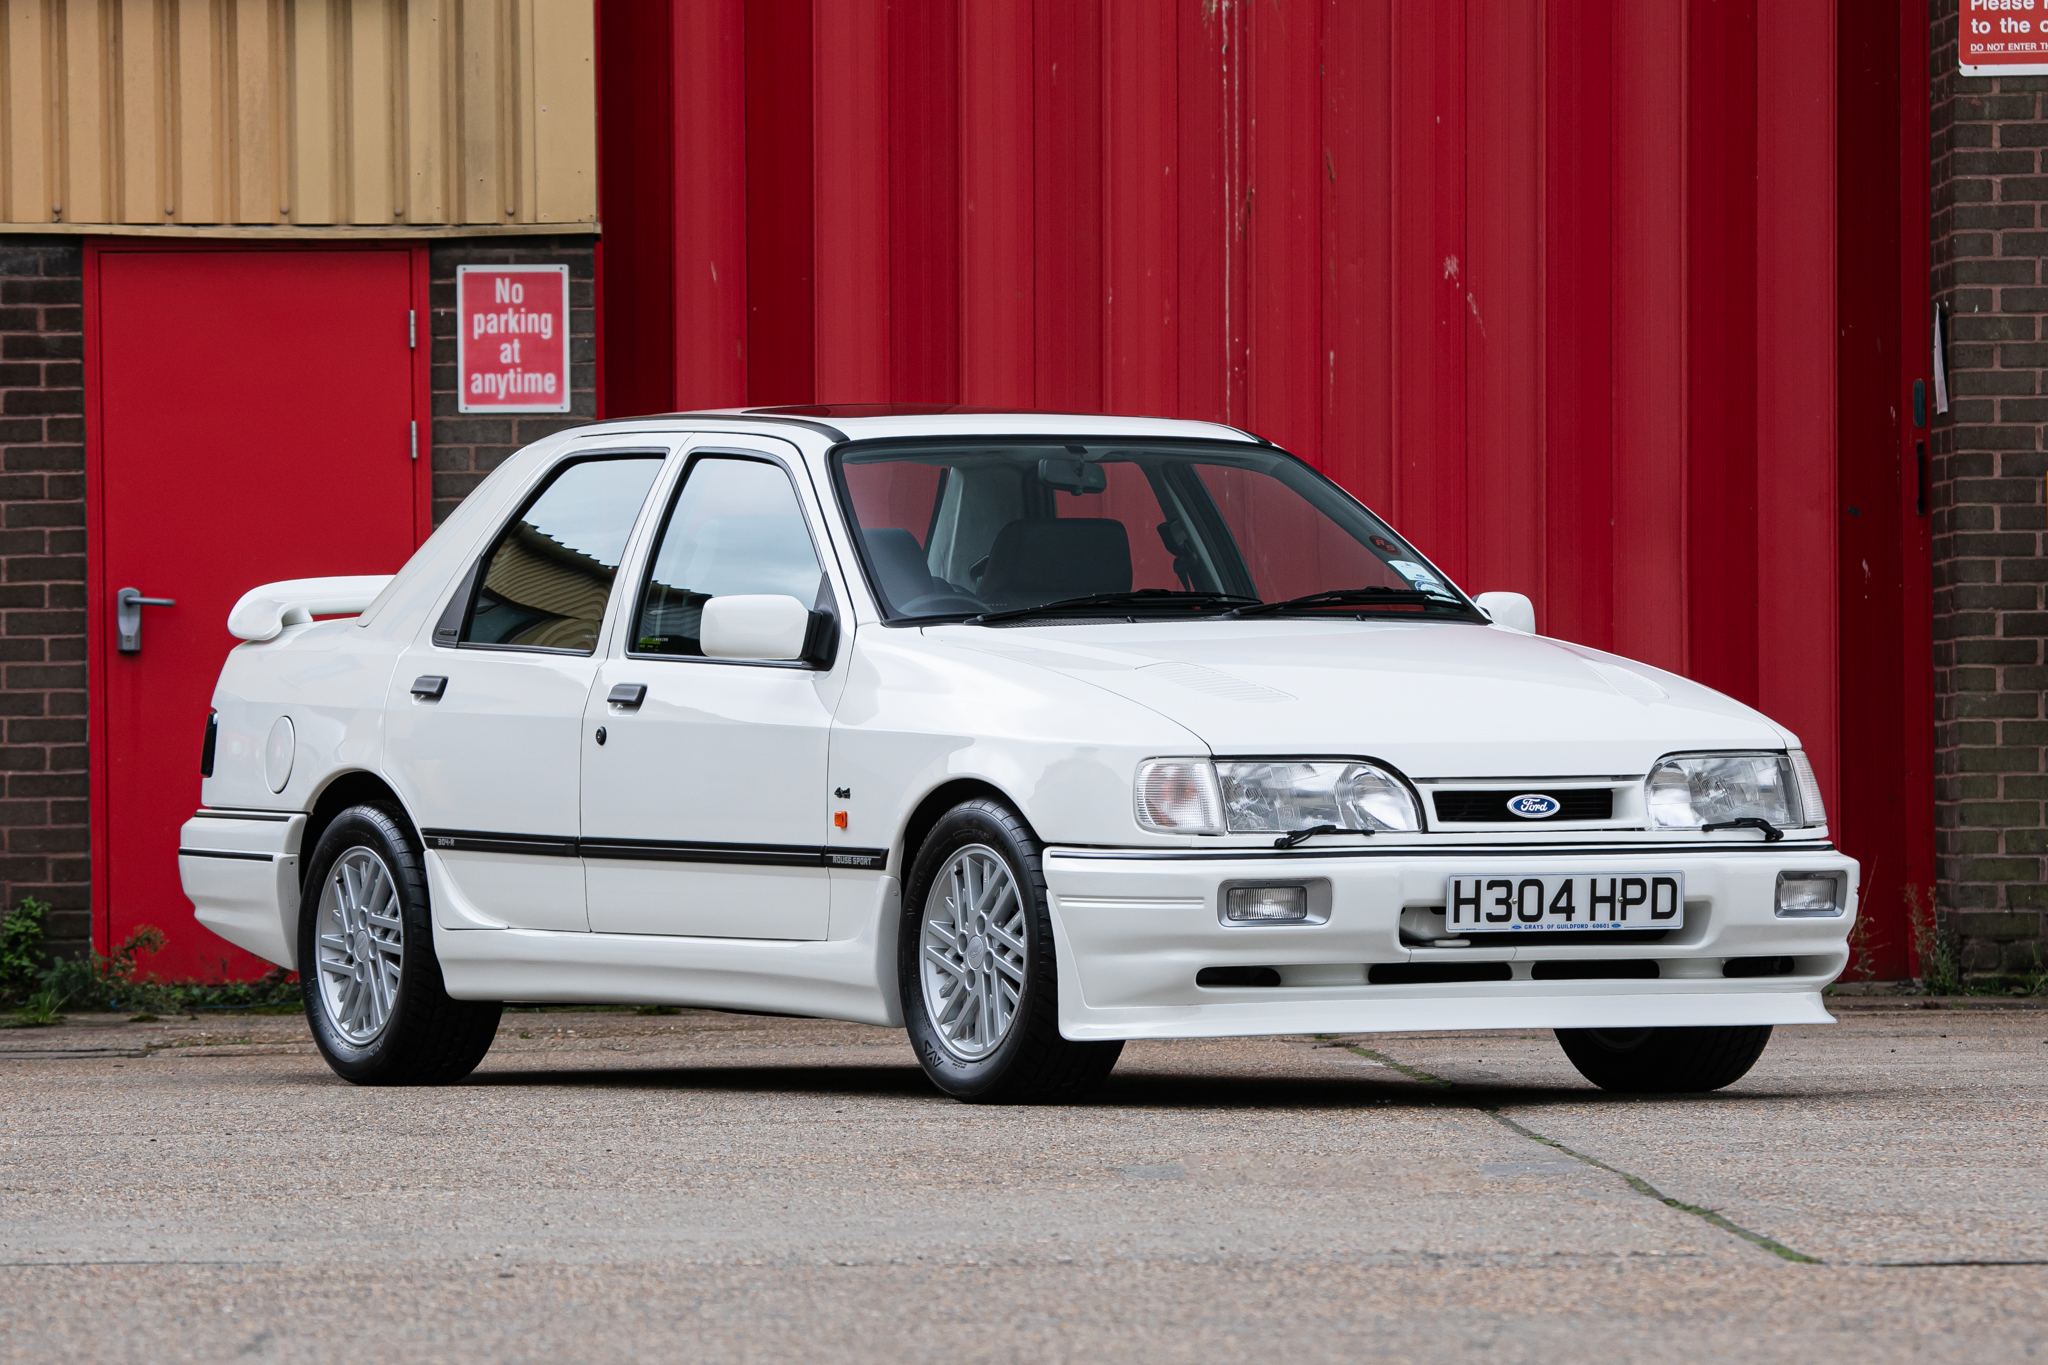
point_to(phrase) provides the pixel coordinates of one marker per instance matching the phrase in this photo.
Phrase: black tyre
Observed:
(1672, 1061)
(975, 966)
(372, 985)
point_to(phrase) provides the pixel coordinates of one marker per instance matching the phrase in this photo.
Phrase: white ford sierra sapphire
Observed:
(1026, 733)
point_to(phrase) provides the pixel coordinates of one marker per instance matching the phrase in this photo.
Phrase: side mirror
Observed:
(1509, 609)
(754, 626)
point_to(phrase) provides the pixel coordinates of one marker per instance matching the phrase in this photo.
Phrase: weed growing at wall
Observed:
(22, 957)
(1938, 950)
(41, 989)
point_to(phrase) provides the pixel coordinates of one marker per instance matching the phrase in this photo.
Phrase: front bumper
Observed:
(1134, 928)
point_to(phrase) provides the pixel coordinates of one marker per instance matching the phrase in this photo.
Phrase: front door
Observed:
(251, 416)
(705, 812)
(484, 721)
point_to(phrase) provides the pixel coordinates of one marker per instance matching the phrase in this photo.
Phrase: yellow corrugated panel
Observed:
(310, 113)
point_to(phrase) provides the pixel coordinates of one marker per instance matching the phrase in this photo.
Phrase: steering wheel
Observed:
(934, 603)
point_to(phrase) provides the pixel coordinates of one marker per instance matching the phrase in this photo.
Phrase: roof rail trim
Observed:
(821, 428)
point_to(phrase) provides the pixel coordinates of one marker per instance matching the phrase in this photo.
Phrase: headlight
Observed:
(1182, 796)
(1274, 798)
(1690, 790)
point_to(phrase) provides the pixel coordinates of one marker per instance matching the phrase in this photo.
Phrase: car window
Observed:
(995, 528)
(735, 527)
(1290, 548)
(548, 577)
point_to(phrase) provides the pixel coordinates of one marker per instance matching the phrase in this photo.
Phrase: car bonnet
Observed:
(1436, 699)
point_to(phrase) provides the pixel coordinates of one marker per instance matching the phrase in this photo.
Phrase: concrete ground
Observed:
(721, 1187)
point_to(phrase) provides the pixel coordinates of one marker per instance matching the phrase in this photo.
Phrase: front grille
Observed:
(1436, 973)
(1237, 976)
(1607, 969)
(1491, 808)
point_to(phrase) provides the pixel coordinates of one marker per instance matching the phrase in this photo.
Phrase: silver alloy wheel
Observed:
(973, 956)
(360, 940)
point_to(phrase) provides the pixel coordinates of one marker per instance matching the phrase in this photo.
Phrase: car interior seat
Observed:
(1048, 559)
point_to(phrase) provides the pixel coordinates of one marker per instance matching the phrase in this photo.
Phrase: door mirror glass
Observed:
(548, 577)
(754, 626)
(736, 532)
(1509, 609)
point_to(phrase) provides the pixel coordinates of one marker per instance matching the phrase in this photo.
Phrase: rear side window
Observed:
(547, 579)
(735, 528)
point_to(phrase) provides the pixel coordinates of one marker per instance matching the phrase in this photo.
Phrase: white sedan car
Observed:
(1025, 733)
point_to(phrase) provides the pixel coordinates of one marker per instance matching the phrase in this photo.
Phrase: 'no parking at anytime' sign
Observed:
(2003, 38)
(512, 337)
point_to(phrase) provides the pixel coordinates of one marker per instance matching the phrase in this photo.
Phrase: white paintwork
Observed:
(755, 626)
(264, 612)
(499, 752)
(1510, 609)
(252, 899)
(1055, 719)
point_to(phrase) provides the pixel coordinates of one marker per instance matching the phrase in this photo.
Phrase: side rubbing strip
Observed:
(680, 851)
(654, 850)
(479, 841)
(223, 853)
(759, 855)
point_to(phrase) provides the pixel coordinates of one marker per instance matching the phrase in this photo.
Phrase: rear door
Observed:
(251, 416)
(485, 722)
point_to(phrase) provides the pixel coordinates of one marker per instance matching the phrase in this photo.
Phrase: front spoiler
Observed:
(1431, 1009)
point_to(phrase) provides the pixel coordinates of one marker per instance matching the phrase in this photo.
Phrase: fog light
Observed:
(1266, 904)
(1803, 895)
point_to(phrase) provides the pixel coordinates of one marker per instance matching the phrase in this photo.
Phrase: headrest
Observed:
(1048, 559)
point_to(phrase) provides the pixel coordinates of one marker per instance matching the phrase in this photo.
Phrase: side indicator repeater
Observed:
(839, 819)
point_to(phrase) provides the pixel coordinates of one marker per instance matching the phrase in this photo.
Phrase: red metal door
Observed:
(250, 420)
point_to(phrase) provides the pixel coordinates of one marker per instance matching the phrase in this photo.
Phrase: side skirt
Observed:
(816, 978)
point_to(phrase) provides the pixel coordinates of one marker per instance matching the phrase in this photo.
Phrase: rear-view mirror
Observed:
(1071, 474)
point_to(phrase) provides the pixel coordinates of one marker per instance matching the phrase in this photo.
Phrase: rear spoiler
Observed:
(264, 612)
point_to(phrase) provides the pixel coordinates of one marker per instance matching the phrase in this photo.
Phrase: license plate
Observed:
(1581, 902)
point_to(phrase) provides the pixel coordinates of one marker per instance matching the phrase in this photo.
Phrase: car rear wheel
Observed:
(975, 966)
(1673, 1061)
(372, 985)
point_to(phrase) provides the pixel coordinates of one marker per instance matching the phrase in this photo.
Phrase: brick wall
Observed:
(468, 446)
(1990, 233)
(42, 585)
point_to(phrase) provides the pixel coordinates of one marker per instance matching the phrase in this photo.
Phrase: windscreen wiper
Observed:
(1351, 597)
(1141, 597)
(1771, 832)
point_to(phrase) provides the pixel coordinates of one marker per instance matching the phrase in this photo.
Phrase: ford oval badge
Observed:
(1534, 806)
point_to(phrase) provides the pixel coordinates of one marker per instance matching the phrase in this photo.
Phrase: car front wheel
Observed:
(372, 985)
(1672, 1061)
(975, 966)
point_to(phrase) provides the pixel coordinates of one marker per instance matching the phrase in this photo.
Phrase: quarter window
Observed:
(735, 527)
(547, 579)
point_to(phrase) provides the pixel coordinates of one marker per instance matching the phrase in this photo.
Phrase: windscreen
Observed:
(960, 531)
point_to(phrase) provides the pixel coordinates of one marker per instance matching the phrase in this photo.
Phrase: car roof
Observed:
(877, 421)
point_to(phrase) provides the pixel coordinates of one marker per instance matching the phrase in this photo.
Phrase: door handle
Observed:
(628, 695)
(429, 686)
(128, 605)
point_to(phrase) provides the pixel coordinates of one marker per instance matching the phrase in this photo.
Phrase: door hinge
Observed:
(415, 440)
(412, 329)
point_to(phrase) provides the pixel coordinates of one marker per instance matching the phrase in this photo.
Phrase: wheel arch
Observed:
(935, 804)
(345, 789)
